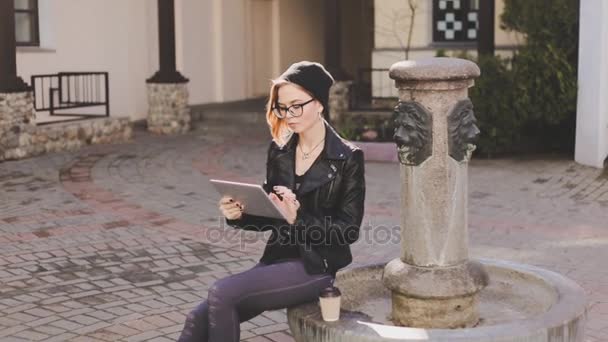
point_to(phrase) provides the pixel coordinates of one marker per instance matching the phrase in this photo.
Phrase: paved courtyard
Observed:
(119, 242)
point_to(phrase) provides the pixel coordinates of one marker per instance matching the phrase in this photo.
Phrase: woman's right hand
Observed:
(233, 210)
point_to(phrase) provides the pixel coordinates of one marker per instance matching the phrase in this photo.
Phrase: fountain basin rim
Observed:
(571, 306)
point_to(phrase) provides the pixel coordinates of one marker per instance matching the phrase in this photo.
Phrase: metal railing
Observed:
(373, 90)
(61, 93)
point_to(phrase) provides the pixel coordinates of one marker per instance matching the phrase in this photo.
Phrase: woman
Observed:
(317, 179)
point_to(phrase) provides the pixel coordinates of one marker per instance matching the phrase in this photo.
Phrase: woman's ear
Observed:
(320, 107)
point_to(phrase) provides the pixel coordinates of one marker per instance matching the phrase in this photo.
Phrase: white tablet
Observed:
(252, 196)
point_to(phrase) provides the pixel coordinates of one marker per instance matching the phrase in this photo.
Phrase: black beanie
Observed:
(313, 77)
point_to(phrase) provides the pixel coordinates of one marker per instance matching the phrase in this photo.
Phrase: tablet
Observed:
(252, 196)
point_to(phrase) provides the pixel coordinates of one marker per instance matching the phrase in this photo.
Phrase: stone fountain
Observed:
(434, 291)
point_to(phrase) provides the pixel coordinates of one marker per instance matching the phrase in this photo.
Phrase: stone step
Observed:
(369, 112)
(248, 111)
(222, 116)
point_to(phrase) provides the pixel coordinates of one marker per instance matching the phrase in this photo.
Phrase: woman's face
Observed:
(289, 95)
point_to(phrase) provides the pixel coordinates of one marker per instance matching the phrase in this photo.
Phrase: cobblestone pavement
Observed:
(119, 242)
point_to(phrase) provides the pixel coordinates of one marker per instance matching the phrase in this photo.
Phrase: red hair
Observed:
(278, 127)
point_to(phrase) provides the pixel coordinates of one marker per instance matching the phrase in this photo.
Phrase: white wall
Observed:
(234, 64)
(392, 20)
(109, 35)
(195, 48)
(210, 43)
(592, 108)
(121, 37)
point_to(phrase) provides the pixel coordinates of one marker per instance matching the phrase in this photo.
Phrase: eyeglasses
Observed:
(295, 110)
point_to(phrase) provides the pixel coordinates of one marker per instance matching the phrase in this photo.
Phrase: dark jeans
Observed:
(240, 297)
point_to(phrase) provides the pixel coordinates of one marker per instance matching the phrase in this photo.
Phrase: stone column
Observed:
(17, 113)
(17, 125)
(591, 147)
(433, 283)
(168, 111)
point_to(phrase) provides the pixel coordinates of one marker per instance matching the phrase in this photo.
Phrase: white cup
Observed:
(329, 300)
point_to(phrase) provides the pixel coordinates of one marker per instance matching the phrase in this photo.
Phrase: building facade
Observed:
(449, 25)
(230, 49)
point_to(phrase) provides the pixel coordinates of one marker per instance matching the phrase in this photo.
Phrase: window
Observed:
(26, 23)
(455, 20)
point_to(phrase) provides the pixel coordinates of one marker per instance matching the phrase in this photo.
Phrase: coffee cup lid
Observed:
(331, 291)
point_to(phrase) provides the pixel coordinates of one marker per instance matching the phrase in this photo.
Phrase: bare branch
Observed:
(404, 18)
(413, 8)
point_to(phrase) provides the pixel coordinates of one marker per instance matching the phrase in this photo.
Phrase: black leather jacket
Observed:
(331, 198)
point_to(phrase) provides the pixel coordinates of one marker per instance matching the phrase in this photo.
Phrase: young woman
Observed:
(317, 179)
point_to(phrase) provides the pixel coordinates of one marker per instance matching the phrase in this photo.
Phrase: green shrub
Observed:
(528, 103)
(441, 53)
(493, 98)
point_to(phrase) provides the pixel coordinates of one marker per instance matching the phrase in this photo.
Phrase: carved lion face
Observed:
(412, 133)
(463, 131)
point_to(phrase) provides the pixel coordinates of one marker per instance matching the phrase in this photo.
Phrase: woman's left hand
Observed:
(289, 204)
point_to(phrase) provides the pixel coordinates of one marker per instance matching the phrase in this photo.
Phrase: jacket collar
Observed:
(321, 171)
(334, 146)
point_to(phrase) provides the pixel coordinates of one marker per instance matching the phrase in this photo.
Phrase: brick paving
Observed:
(119, 242)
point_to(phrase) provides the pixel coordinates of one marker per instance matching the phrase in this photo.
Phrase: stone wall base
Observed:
(168, 110)
(20, 137)
(36, 140)
(339, 100)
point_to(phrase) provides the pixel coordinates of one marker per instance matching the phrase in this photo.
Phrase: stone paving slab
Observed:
(119, 242)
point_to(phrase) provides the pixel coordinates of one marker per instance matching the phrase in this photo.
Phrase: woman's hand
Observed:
(289, 204)
(233, 210)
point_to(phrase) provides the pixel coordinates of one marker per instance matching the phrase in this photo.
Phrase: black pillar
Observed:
(485, 36)
(9, 81)
(167, 72)
(333, 40)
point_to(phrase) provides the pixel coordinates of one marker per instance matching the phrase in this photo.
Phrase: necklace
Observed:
(306, 155)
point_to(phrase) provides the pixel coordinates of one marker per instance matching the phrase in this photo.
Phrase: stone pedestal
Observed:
(17, 124)
(168, 111)
(433, 283)
(339, 98)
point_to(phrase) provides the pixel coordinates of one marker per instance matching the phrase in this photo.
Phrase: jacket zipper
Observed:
(331, 187)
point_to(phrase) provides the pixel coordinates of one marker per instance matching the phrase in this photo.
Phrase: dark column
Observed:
(9, 81)
(485, 36)
(166, 45)
(333, 40)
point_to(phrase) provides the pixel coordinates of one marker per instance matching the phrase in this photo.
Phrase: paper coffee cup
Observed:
(329, 300)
